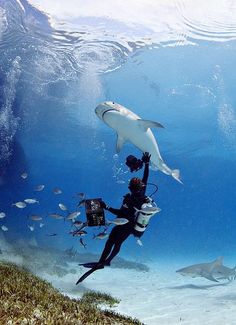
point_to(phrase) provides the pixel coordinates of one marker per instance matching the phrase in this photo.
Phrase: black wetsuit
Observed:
(121, 232)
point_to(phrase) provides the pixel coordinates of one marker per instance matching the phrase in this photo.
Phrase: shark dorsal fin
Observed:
(119, 143)
(145, 124)
(217, 262)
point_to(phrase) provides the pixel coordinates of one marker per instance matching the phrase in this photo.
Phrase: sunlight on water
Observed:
(91, 88)
(227, 122)
(177, 20)
(8, 122)
(226, 116)
(3, 22)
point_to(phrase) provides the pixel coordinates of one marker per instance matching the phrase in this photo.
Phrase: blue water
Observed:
(50, 83)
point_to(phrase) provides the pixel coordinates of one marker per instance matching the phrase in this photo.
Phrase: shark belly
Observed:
(127, 128)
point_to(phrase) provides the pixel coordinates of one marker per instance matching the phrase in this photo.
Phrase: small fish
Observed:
(57, 190)
(4, 228)
(41, 225)
(77, 223)
(78, 233)
(2, 215)
(31, 228)
(101, 235)
(118, 221)
(52, 235)
(73, 215)
(35, 218)
(56, 216)
(20, 205)
(82, 243)
(81, 203)
(39, 188)
(31, 201)
(62, 207)
(24, 175)
(83, 225)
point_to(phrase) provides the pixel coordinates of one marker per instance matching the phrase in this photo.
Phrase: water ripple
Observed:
(209, 21)
(100, 56)
(103, 45)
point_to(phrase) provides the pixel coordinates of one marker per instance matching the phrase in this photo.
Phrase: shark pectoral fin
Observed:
(119, 143)
(209, 277)
(145, 124)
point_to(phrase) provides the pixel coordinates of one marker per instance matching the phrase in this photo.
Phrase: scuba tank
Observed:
(143, 216)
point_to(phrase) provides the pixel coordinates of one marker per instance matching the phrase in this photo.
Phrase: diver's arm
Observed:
(116, 212)
(122, 212)
(145, 173)
(146, 160)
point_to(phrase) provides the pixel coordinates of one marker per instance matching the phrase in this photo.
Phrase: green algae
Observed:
(27, 299)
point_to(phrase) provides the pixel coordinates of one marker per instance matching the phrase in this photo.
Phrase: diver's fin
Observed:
(119, 143)
(86, 274)
(89, 265)
(145, 124)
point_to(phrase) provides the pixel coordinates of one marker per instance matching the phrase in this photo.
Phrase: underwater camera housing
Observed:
(134, 163)
(94, 212)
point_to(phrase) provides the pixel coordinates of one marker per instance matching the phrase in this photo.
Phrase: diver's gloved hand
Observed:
(146, 158)
(103, 205)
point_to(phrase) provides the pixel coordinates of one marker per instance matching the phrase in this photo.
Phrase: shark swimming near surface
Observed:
(132, 128)
(212, 271)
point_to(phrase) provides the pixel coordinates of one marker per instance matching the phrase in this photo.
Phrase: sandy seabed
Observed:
(158, 296)
(162, 296)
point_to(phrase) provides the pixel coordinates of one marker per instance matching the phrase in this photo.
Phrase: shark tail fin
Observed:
(175, 173)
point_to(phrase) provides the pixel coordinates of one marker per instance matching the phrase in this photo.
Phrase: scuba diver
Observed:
(133, 202)
(137, 208)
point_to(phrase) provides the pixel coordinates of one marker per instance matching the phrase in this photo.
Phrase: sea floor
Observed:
(161, 296)
(155, 296)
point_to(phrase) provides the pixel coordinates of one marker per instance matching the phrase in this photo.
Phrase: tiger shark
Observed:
(212, 271)
(132, 128)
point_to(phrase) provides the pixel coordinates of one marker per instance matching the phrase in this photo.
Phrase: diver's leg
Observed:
(114, 252)
(108, 246)
(106, 251)
(117, 247)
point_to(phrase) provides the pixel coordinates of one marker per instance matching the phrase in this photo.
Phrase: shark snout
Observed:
(104, 107)
(99, 110)
(180, 272)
